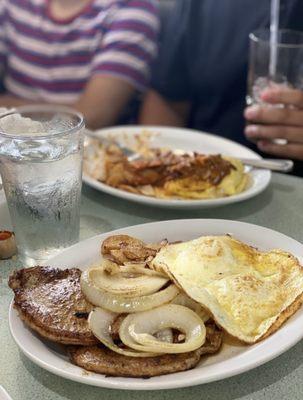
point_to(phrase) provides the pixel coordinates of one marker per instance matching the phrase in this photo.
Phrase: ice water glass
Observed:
(41, 152)
(289, 66)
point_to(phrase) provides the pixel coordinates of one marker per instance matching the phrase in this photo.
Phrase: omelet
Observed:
(249, 293)
(193, 187)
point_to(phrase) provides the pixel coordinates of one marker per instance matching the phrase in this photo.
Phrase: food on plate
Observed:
(50, 301)
(123, 248)
(151, 309)
(248, 293)
(105, 361)
(183, 300)
(8, 246)
(137, 330)
(121, 304)
(164, 173)
(109, 277)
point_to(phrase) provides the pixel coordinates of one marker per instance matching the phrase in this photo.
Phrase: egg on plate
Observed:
(249, 293)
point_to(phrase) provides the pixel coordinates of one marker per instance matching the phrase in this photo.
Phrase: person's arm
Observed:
(156, 110)
(120, 66)
(103, 100)
(267, 123)
(101, 103)
(10, 101)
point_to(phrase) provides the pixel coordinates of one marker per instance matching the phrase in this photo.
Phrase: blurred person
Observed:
(200, 78)
(92, 55)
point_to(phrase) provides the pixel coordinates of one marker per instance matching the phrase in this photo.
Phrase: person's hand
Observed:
(267, 122)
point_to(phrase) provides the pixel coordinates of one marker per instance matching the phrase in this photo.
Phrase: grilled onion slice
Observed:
(183, 300)
(129, 267)
(121, 304)
(99, 322)
(142, 268)
(137, 330)
(128, 282)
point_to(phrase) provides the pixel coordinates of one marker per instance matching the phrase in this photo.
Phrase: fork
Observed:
(280, 165)
(130, 154)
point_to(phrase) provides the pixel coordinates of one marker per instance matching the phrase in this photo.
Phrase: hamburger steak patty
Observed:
(50, 301)
(104, 361)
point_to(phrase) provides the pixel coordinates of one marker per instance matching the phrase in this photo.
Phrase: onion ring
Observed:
(183, 300)
(129, 282)
(99, 321)
(137, 330)
(120, 304)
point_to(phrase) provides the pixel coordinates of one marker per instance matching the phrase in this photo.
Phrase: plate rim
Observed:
(163, 203)
(249, 364)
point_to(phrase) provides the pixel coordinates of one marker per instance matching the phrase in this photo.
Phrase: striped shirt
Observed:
(49, 60)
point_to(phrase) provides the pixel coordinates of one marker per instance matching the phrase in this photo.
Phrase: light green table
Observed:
(280, 207)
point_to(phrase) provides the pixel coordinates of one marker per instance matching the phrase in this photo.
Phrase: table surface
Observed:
(280, 207)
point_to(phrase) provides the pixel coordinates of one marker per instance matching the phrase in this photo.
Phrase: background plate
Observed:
(231, 360)
(188, 140)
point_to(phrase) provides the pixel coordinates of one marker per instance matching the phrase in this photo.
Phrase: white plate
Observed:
(188, 140)
(3, 394)
(228, 362)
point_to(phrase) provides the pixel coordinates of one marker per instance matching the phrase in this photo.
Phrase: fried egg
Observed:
(249, 293)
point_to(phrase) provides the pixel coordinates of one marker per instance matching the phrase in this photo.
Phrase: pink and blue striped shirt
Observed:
(50, 60)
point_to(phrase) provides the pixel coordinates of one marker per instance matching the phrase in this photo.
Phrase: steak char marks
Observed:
(50, 301)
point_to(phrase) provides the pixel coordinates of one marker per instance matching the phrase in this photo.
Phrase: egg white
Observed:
(244, 289)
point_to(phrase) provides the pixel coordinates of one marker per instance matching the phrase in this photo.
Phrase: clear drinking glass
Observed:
(41, 152)
(289, 66)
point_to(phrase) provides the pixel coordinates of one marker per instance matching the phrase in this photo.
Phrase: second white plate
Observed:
(188, 140)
